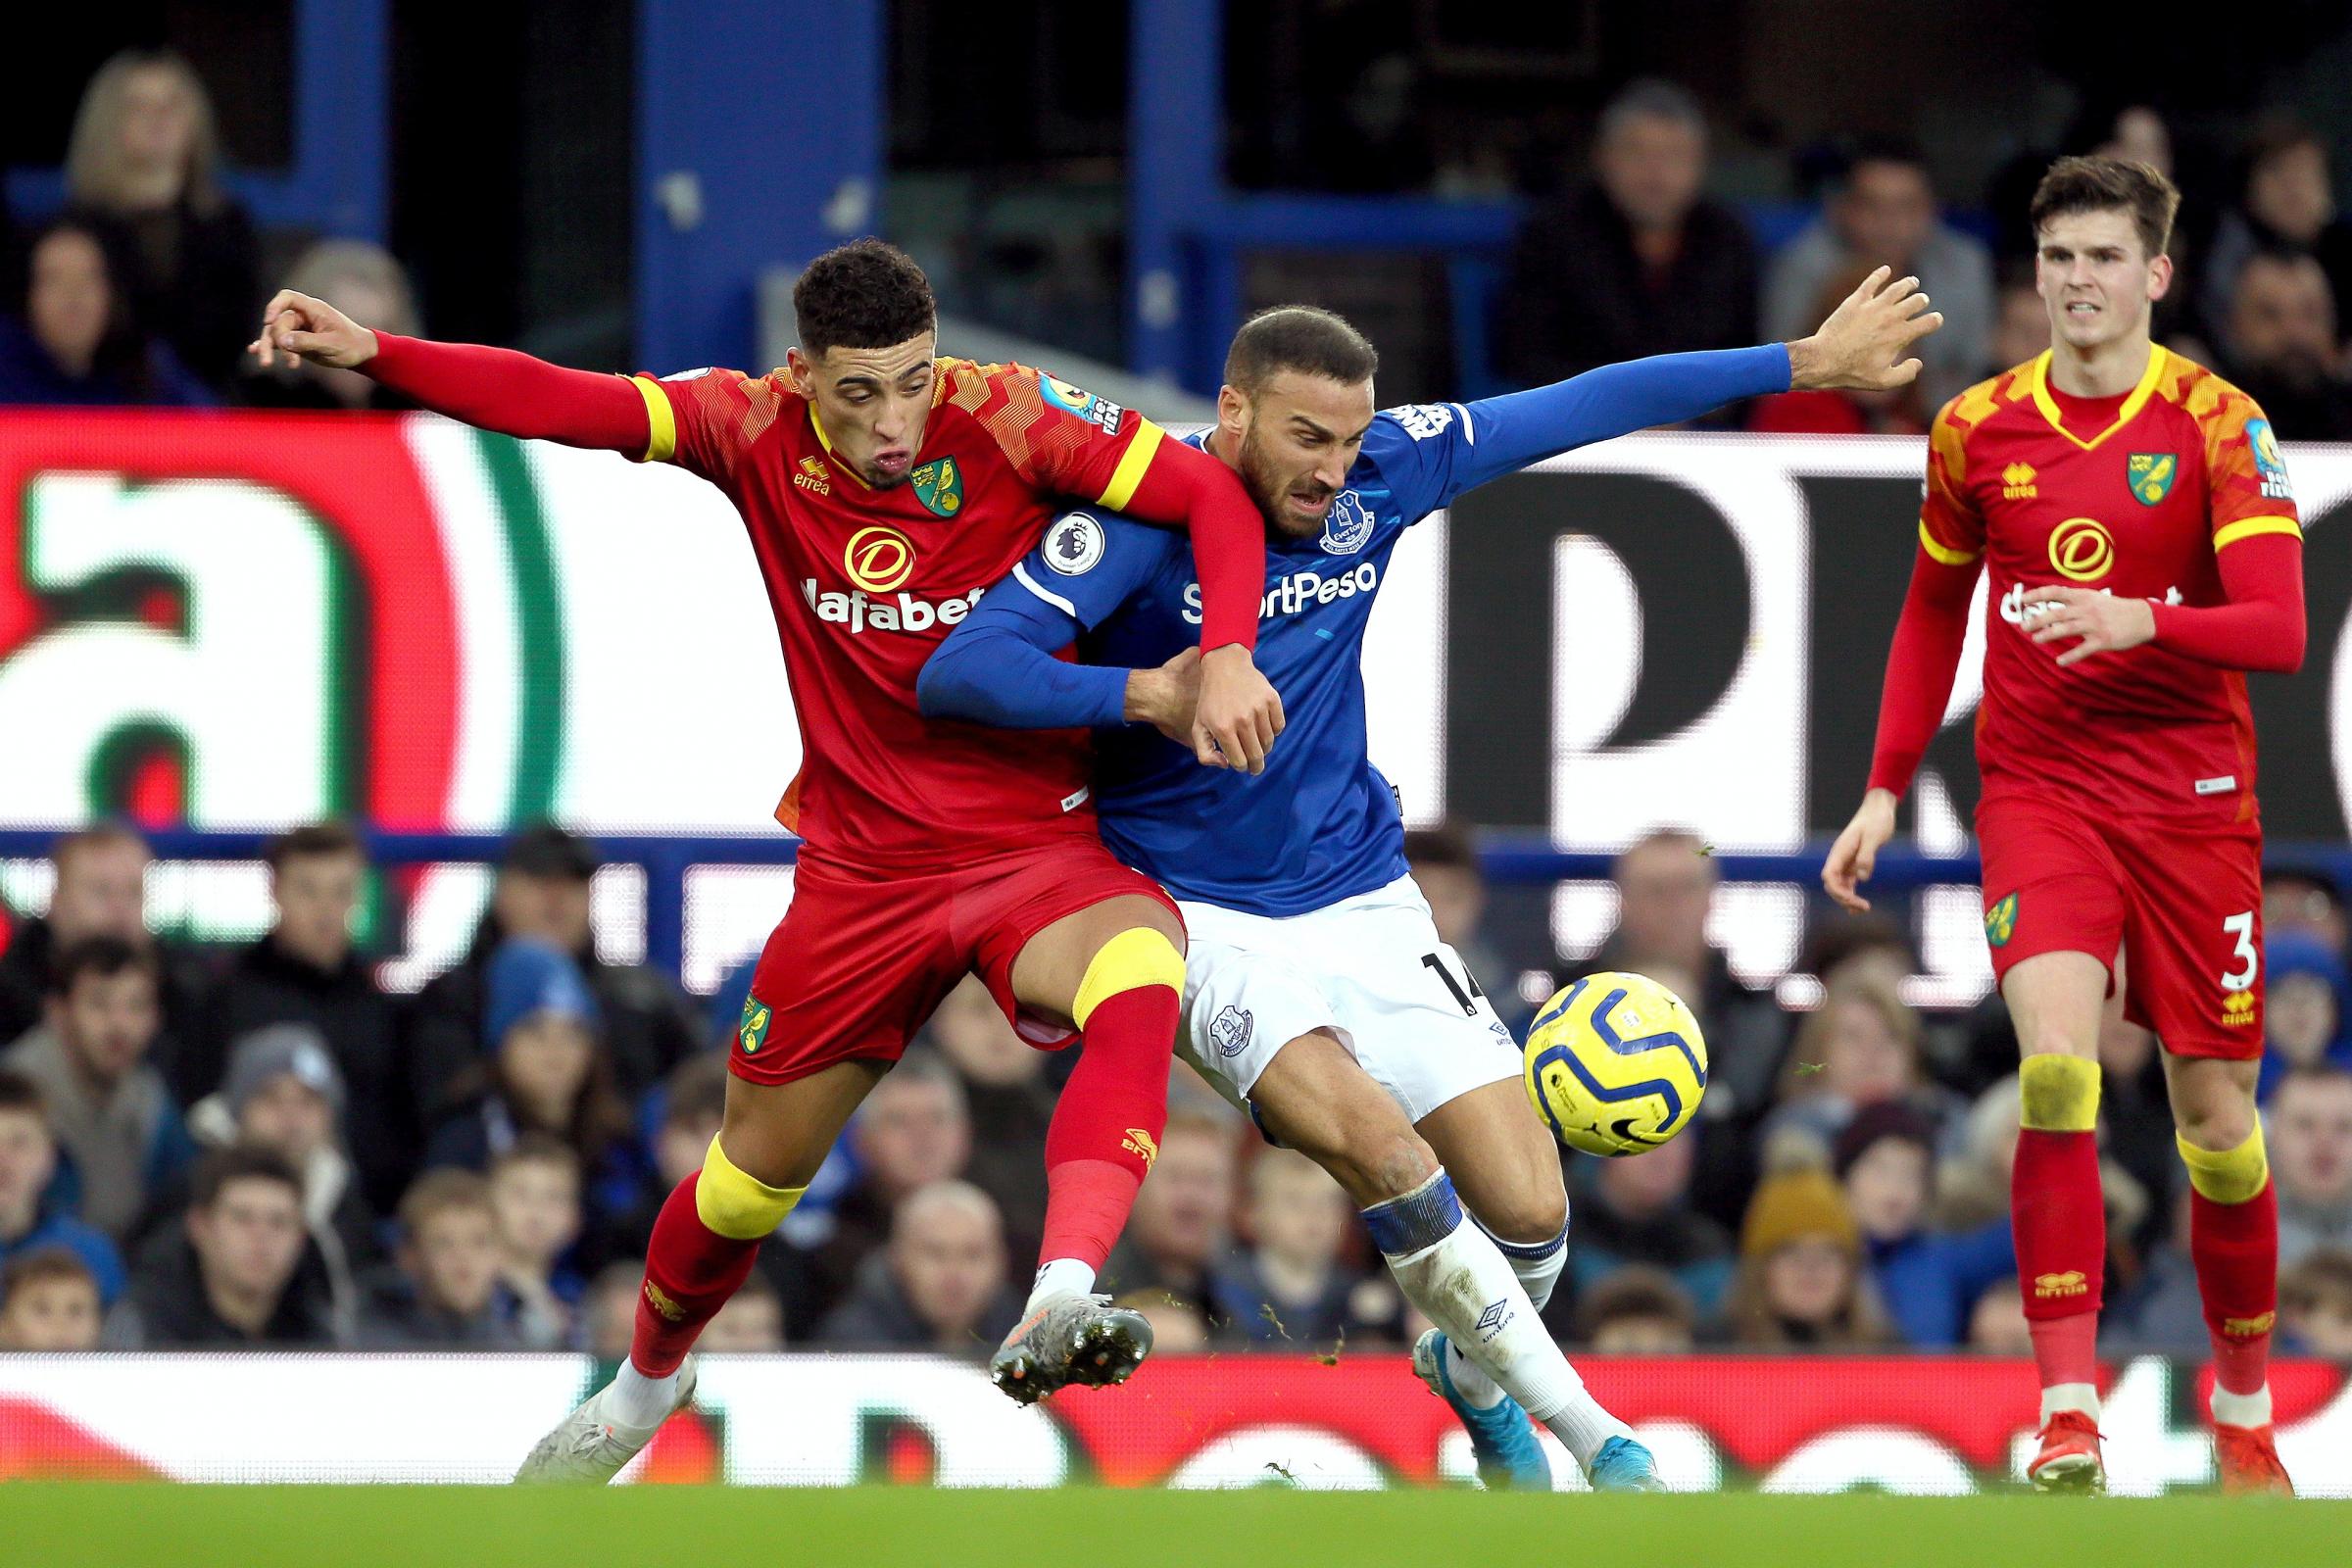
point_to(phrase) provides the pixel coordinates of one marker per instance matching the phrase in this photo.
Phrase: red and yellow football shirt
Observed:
(2137, 495)
(864, 583)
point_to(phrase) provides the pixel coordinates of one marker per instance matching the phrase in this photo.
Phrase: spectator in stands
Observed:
(2157, 1309)
(1896, 410)
(145, 165)
(228, 1280)
(113, 1116)
(1926, 1280)
(283, 1094)
(2287, 206)
(939, 1284)
(609, 1310)
(69, 337)
(752, 1323)
(1292, 1283)
(1179, 1228)
(2306, 903)
(1996, 1324)
(2310, 1122)
(542, 892)
(1881, 212)
(48, 1303)
(2135, 1117)
(305, 969)
(1637, 1210)
(100, 891)
(31, 1219)
(1638, 262)
(446, 1293)
(1445, 866)
(914, 1130)
(535, 1197)
(2315, 1305)
(546, 1071)
(2279, 346)
(1859, 1047)
(1802, 1284)
(1179, 1327)
(2305, 987)
(1004, 1091)
(1638, 1311)
(2021, 325)
(693, 1103)
(362, 281)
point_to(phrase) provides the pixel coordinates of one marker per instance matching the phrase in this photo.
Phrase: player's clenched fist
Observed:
(1238, 713)
(301, 327)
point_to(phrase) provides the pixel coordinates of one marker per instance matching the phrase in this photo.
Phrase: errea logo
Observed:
(2017, 482)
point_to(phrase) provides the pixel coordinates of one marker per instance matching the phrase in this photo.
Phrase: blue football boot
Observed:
(1509, 1458)
(1624, 1465)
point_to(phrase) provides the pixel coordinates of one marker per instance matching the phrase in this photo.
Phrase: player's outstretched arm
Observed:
(495, 389)
(998, 668)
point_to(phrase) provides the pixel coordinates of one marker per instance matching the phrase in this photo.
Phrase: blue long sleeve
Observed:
(1523, 428)
(998, 668)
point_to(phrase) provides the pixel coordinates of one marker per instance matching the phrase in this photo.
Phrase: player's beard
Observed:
(1271, 489)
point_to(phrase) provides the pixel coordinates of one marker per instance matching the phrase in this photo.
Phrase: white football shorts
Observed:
(1370, 968)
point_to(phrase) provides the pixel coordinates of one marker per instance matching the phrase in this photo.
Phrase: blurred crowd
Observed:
(260, 1147)
(145, 287)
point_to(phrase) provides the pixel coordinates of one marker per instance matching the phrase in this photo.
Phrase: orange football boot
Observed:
(2070, 1459)
(2249, 1462)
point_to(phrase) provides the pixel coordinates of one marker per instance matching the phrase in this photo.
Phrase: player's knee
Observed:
(1386, 1162)
(2226, 1163)
(2058, 1093)
(735, 1205)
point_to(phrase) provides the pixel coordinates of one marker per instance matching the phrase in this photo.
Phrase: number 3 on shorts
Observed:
(2241, 926)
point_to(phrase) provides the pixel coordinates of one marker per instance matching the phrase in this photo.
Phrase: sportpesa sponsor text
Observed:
(861, 611)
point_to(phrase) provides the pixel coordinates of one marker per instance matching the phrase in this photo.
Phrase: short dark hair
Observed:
(535, 1148)
(40, 1265)
(239, 1162)
(105, 957)
(96, 836)
(1635, 1290)
(867, 294)
(697, 1090)
(20, 1093)
(331, 837)
(437, 1191)
(2325, 1276)
(2109, 185)
(1305, 338)
(1447, 844)
(1899, 150)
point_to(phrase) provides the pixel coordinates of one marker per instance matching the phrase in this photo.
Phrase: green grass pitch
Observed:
(677, 1527)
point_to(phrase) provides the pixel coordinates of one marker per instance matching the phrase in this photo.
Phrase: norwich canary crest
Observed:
(2000, 921)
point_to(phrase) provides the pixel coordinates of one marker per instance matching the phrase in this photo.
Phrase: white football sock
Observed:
(2082, 1396)
(2242, 1409)
(1460, 1280)
(1064, 1276)
(639, 1402)
(1537, 1266)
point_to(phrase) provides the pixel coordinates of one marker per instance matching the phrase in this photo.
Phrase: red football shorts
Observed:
(862, 958)
(2182, 904)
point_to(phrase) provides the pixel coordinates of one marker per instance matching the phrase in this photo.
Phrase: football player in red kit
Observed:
(2145, 553)
(884, 489)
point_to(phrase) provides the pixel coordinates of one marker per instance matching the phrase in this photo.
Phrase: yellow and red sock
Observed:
(2060, 1220)
(701, 1252)
(1106, 1130)
(2233, 1241)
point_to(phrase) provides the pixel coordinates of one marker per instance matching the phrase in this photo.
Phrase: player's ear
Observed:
(800, 372)
(2160, 278)
(1233, 407)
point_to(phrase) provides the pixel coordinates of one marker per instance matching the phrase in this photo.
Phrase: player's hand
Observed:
(2107, 624)
(1238, 715)
(1855, 855)
(1866, 343)
(297, 328)
(1166, 697)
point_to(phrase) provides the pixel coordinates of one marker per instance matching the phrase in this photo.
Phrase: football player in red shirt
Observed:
(2145, 553)
(884, 488)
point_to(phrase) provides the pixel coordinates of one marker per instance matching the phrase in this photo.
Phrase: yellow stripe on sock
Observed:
(2058, 1093)
(2227, 1175)
(1136, 958)
(739, 1206)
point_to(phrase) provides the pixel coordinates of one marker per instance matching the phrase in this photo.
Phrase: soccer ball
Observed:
(1615, 1065)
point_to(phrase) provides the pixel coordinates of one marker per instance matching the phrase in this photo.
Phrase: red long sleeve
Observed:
(2260, 627)
(1920, 666)
(1187, 486)
(514, 394)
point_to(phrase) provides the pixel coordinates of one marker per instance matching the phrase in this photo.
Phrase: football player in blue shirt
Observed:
(1317, 992)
